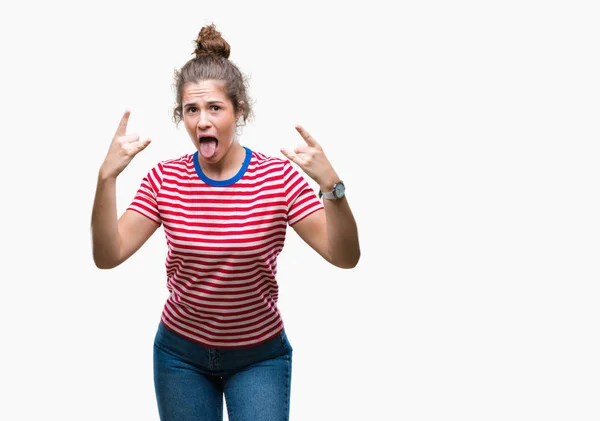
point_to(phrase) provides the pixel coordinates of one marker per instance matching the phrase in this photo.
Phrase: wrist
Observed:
(326, 184)
(104, 176)
(338, 191)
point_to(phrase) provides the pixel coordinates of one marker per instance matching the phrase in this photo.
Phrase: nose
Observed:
(203, 121)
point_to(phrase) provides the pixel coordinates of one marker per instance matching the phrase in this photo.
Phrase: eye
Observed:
(215, 107)
(191, 109)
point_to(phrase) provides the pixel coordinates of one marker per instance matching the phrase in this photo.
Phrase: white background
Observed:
(467, 135)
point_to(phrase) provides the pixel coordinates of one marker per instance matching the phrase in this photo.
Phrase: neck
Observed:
(228, 166)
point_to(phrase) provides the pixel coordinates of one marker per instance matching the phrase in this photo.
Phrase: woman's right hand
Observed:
(122, 150)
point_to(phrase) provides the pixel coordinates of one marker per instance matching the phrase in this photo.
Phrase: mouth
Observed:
(208, 145)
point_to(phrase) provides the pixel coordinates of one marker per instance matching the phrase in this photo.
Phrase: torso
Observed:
(223, 240)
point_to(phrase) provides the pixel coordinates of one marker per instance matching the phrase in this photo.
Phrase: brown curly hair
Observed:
(212, 63)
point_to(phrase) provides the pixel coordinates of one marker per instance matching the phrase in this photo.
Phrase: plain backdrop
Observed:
(466, 133)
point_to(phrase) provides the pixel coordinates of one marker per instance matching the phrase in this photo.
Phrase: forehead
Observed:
(205, 90)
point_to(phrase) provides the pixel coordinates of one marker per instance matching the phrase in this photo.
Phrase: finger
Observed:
(137, 147)
(130, 138)
(289, 155)
(122, 128)
(143, 145)
(293, 157)
(307, 137)
(302, 149)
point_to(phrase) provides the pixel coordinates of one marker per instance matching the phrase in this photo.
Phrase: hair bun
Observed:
(210, 41)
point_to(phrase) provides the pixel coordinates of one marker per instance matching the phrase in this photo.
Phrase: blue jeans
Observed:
(190, 379)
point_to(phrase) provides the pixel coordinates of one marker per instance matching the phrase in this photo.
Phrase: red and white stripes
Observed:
(223, 240)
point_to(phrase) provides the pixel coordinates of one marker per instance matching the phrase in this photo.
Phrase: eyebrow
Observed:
(208, 102)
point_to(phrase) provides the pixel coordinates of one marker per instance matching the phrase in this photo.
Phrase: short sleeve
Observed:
(145, 200)
(301, 199)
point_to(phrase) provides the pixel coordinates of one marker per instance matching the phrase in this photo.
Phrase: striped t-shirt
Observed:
(223, 240)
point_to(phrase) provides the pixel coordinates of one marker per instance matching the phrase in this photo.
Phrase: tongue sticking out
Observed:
(208, 147)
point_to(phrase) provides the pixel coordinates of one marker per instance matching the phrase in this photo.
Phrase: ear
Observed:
(240, 110)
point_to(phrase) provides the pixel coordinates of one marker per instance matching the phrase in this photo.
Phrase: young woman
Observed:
(224, 210)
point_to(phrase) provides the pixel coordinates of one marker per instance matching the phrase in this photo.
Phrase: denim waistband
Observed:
(219, 361)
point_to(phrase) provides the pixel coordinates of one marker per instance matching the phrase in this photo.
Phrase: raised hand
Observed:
(122, 149)
(309, 156)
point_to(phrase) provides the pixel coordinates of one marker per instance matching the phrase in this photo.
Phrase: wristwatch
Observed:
(339, 190)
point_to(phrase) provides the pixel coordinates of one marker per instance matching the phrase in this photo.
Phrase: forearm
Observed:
(339, 243)
(105, 233)
(342, 233)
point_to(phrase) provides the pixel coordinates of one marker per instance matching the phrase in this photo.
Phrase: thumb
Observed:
(142, 145)
(288, 154)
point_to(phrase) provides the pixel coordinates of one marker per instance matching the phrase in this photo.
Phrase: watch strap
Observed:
(327, 194)
(331, 194)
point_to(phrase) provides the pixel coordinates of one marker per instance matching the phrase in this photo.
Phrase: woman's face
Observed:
(209, 118)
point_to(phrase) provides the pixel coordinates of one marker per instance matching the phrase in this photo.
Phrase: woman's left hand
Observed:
(310, 157)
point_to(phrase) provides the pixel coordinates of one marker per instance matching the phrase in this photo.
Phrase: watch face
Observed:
(339, 190)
